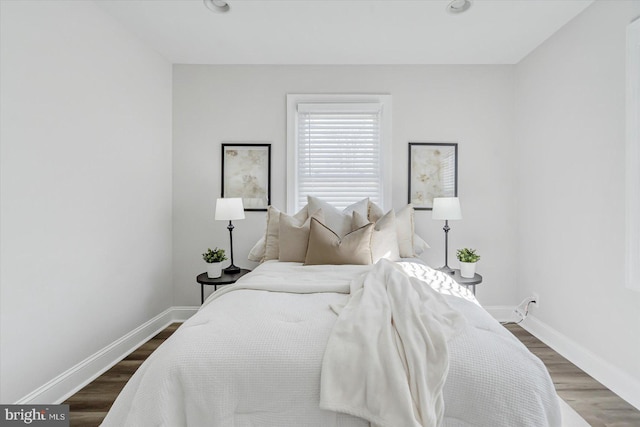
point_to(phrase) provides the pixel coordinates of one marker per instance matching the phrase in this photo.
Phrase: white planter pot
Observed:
(467, 269)
(214, 270)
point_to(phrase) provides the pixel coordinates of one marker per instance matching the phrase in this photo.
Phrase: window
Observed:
(632, 278)
(338, 149)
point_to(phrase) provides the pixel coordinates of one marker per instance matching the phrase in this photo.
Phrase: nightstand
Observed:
(473, 281)
(225, 279)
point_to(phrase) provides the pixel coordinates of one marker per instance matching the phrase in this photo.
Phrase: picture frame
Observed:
(246, 173)
(433, 172)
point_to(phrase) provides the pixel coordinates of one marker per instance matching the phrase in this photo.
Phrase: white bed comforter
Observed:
(252, 356)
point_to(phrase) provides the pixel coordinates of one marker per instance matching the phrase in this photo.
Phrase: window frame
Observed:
(292, 138)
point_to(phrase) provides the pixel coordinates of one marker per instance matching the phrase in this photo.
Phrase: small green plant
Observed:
(467, 255)
(216, 255)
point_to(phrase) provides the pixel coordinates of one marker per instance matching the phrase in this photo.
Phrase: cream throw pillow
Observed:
(384, 240)
(405, 231)
(337, 220)
(258, 250)
(419, 245)
(272, 236)
(375, 212)
(294, 236)
(325, 246)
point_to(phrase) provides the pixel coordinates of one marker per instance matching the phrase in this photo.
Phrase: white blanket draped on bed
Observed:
(387, 360)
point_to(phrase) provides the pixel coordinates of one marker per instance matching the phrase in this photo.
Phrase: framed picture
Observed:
(246, 173)
(433, 172)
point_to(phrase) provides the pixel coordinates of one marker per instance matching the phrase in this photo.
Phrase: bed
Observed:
(296, 345)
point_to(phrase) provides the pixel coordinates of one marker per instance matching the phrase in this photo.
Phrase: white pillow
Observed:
(258, 250)
(419, 245)
(338, 221)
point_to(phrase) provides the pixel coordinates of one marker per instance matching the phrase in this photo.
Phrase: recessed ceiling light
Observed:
(458, 6)
(218, 6)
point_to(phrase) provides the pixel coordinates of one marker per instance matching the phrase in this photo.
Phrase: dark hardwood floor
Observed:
(89, 406)
(594, 402)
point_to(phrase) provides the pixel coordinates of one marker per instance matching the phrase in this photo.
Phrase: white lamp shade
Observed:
(446, 208)
(229, 208)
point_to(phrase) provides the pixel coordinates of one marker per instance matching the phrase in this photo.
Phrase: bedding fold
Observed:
(387, 359)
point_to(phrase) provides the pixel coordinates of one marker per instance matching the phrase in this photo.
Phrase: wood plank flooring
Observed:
(594, 402)
(89, 406)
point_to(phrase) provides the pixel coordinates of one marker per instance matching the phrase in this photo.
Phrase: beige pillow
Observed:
(272, 246)
(405, 231)
(294, 236)
(375, 212)
(337, 220)
(325, 246)
(384, 241)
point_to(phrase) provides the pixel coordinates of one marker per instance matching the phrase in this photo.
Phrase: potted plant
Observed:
(468, 259)
(213, 258)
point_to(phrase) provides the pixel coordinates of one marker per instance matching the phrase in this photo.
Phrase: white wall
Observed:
(472, 105)
(86, 177)
(570, 96)
(85, 187)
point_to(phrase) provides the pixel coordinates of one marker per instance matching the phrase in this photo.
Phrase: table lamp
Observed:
(446, 208)
(229, 209)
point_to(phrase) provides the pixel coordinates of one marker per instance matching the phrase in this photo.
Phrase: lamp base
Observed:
(232, 269)
(446, 269)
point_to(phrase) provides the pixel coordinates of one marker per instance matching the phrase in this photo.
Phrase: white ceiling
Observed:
(343, 31)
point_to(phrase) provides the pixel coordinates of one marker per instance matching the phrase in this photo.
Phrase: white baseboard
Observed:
(69, 382)
(606, 373)
(609, 375)
(181, 314)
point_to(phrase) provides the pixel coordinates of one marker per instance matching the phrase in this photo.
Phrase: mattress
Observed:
(252, 356)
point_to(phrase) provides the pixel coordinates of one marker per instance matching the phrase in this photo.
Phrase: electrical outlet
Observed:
(522, 310)
(536, 299)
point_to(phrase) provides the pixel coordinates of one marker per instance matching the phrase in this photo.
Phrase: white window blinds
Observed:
(339, 154)
(449, 172)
